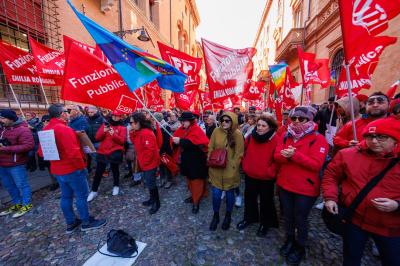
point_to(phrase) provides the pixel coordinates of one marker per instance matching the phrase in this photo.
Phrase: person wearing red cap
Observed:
(362, 98)
(394, 108)
(112, 136)
(378, 215)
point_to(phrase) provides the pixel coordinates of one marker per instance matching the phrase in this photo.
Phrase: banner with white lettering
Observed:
(227, 69)
(19, 66)
(50, 63)
(254, 90)
(90, 80)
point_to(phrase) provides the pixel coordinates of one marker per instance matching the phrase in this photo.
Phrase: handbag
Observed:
(169, 163)
(218, 158)
(336, 222)
(120, 244)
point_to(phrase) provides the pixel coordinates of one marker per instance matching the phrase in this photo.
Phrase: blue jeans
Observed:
(76, 184)
(354, 241)
(216, 199)
(15, 180)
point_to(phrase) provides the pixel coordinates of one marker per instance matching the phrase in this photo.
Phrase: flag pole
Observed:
(148, 110)
(349, 88)
(331, 118)
(302, 92)
(44, 93)
(16, 99)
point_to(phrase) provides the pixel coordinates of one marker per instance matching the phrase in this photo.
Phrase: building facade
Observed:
(315, 25)
(172, 22)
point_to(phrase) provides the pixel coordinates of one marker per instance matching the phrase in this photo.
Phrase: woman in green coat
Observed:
(225, 179)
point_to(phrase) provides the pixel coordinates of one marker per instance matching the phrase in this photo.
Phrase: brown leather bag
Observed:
(218, 158)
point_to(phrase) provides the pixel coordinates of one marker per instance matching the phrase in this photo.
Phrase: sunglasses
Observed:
(379, 100)
(226, 121)
(297, 118)
(67, 111)
(379, 138)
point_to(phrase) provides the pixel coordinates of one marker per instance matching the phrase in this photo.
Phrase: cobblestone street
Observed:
(174, 235)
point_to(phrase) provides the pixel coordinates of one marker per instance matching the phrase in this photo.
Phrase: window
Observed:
(336, 67)
(297, 18)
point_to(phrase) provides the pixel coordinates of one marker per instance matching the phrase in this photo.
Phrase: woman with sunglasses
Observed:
(260, 169)
(112, 137)
(378, 214)
(300, 154)
(227, 179)
(148, 156)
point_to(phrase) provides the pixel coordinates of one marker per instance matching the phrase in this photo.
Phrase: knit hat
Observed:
(9, 114)
(303, 111)
(384, 126)
(117, 113)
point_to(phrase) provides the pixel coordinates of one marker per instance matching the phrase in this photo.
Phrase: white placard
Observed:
(330, 134)
(48, 143)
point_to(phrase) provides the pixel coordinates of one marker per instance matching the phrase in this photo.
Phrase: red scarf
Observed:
(193, 133)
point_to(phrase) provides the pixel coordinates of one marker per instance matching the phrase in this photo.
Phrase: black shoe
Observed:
(195, 208)
(296, 255)
(72, 227)
(262, 231)
(243, 224)
(135, 183)
(188, 200)
(156, 204)
(128, 175)
(287, 247)
(227, 221)
(214, 222)
(93, 224)
(150, 201)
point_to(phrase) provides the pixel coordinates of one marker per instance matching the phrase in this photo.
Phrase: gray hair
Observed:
(55, 110)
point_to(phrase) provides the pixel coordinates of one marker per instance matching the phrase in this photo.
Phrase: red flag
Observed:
(259, 104)
(188, 65)
(227, 69)
(49, 62)
(89, 80)
(272, 95)
(392, 91)
(19, 66)
(153, 94)
(67, 43)
(185, 100)
(285, 93)
(313, 71)
(171, 101)
(254, 90)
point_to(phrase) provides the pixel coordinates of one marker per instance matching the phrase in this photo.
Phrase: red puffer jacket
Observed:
(110, 143)
(353, 168)
(258, 160)
(68, 146)
(147, 151)
(21, 139)
(300, 174)
(345, 134)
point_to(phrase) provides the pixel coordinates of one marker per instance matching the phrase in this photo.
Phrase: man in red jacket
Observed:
(16, 140)
(378, 215)
(377, 107)
(70, 171)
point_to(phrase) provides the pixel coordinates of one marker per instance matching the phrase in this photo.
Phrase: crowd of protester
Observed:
(292, 158)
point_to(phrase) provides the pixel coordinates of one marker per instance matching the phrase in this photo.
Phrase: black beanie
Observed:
(9, 114)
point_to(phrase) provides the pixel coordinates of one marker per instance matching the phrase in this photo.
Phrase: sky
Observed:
(232, 23)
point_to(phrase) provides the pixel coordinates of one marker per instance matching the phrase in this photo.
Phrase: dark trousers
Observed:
(296, 209)
(100, 169)
(165, 174)
(265, 212)
(150, 178)
(354, 241)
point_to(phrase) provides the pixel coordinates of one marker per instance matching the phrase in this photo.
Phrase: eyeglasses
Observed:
(380, 138)
(378, 99)
(69, 111)
(226, 121)
(66, 111)
(44, 121)
(297, 118)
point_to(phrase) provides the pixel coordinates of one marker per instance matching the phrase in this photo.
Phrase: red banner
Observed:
(50, 63)
(19, 66)
(188, 65)
(313, 71)
(254, 90)
(153, 94)
(184, 101)
(285, 93)
(227, 69)
(67, 43)
(90, 80)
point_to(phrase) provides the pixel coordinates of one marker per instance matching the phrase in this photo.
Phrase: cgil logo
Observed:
(370, 16)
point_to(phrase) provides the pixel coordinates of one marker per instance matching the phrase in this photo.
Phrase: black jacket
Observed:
(94, 124)
(193, 160)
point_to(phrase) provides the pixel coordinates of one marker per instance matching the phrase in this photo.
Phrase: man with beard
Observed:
(377, 107)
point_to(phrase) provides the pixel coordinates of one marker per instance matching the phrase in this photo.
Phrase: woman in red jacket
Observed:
(148, 156)
(378, 215)
(300, 154)
(112, 136)
(260, 169)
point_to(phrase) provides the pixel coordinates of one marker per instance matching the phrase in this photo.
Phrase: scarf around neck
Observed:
(262, 138)
(299, 131)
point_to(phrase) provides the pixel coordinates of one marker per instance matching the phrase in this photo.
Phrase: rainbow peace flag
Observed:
(278, 74)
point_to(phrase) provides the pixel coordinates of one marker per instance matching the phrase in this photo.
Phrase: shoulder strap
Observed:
(366, 189)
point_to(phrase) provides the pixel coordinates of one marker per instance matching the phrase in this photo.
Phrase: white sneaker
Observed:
(223, 195)
(115, 191)
(238, 201)
(320, 206)
(91, 196)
